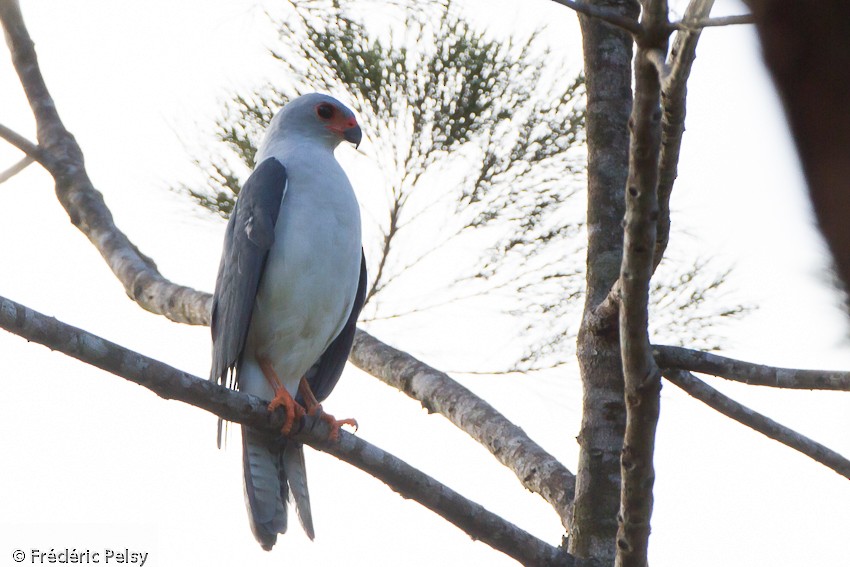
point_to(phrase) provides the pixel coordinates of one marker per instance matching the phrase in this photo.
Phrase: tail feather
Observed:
(296, 474)
(264, 483)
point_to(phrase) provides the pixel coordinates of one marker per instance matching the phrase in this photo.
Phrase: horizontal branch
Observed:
(538, 471)
(609, 16)
(748, 372)
(173, 384)
(714, 22)
(754, 420)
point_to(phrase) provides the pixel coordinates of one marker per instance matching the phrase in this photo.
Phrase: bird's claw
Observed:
(293, 409)
(335, 424)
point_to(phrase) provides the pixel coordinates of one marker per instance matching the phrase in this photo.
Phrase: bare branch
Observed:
(84, 204)
(538, 471)
(696, 25)
(748, 372)
(31, 150)
(675, 90)
(641, 375)
(764, 425)
(609, 16)
(16, 169)
(172, 384)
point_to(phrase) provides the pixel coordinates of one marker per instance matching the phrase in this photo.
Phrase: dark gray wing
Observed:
(324, 375)
(249, 235)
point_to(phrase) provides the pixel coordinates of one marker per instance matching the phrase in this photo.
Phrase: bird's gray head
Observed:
(317, 116)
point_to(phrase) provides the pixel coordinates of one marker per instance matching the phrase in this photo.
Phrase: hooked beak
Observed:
(353, 135)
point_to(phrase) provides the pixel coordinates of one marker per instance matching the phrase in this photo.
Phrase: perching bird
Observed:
(290, 286)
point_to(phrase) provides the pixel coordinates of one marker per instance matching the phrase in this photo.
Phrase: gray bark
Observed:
(607, 67)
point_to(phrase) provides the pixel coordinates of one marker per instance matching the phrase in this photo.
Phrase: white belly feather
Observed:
(310, 280)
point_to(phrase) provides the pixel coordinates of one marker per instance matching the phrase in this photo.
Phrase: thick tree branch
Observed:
(609, 16)
(538, 471)
(748, 372)
(764, 425)
(642, 377)
(172, 384)
(84, 204)
(608, 72)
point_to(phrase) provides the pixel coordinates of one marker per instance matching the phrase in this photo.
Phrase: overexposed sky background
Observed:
(90, 461)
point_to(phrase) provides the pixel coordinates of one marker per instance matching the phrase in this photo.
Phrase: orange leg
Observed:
(315, 408)
(282, 398)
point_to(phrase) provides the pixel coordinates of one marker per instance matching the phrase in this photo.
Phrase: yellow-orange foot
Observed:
(334, 423)
(314, 408)
(293, 409)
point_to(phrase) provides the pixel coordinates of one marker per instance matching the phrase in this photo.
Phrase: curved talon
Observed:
(336, 424)
(314, 408)
(293, 409)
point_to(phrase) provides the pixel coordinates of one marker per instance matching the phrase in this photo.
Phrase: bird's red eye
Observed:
(325, 111)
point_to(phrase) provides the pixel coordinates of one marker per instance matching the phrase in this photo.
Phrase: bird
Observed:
(291, 284)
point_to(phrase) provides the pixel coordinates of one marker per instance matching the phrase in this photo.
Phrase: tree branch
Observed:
(20, 142)
(675, 92)
(748, 372)
(538, 471)
(608, 54)
(172, 384)
(84, 204)
(754, 420)
(706, 22)
(641, 376)
(609, 16)
(16, 169)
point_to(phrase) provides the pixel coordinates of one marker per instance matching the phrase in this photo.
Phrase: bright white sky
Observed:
(93, 462)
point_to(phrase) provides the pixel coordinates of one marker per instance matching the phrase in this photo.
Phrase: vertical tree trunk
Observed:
(607, 66)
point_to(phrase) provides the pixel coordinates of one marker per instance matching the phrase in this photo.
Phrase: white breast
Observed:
(310, 280)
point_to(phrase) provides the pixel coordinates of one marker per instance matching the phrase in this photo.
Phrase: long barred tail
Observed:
(265, 485)
(272, 467)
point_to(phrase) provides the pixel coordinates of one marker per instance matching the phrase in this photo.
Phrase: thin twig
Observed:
(20, 142)
(173, 384)
(609, 16)
(703, 23)
(748, 372)
(16, 169)
(764, 425)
